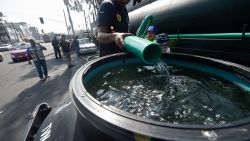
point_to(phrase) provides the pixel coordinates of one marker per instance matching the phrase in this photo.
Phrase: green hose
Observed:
(146, 50)
(142, 30)
(211, 36)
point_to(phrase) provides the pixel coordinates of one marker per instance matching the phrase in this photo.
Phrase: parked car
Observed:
(5, 47)
(40, 41)
(1, 57)
(18, 52)
(86, 46)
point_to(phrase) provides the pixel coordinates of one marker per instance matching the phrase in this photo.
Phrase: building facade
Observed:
(11, 33)
(35, 33)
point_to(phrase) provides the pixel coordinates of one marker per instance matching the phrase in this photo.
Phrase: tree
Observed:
(77, 5)
(94, 3)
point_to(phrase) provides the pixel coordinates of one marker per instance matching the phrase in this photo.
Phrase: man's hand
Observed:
(105, 37)
(118, 37)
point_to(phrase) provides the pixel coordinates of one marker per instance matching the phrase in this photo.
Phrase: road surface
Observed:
(21, 90)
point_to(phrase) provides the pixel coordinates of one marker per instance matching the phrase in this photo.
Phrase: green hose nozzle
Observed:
(148, 51)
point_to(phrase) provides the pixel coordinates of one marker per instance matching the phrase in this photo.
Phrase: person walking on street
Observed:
(65, 45)
(113, 26)
(35, 52)
(75, 46)
(55, 44)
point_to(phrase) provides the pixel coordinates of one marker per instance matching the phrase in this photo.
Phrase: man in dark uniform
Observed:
(113, 26)
(65, 45)
(55, 44)
(75, 46)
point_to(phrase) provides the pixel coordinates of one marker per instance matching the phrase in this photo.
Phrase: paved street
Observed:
(21, 90)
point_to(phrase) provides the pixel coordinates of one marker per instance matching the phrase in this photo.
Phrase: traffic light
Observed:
(41, 20)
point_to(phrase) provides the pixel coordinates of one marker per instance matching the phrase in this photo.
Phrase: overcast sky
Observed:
(29, 11)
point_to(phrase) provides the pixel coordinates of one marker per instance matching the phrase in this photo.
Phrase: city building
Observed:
(35, 33)
(4, 36)
(11, 33)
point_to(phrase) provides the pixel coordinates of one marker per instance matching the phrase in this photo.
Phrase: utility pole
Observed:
(90, 24)
(65, 22)
(85, 20)
(70, 20)
(93, 15)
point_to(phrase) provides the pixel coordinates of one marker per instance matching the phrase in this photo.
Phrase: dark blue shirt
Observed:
(65, 46)
(115, 19)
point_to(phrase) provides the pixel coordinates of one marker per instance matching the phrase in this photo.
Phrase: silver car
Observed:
(5, 47)
(86, 46)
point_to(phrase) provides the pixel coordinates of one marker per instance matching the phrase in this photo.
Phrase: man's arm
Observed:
(105, 37)
(42, 47)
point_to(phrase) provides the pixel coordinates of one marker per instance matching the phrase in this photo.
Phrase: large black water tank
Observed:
(194, 16)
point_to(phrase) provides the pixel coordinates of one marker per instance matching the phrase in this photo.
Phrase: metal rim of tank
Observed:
(122, 124)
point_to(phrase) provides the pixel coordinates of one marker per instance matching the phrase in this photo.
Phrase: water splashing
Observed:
(162, 67)
(170, 94)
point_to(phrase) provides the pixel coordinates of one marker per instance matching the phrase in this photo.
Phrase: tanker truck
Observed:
(218, 29)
